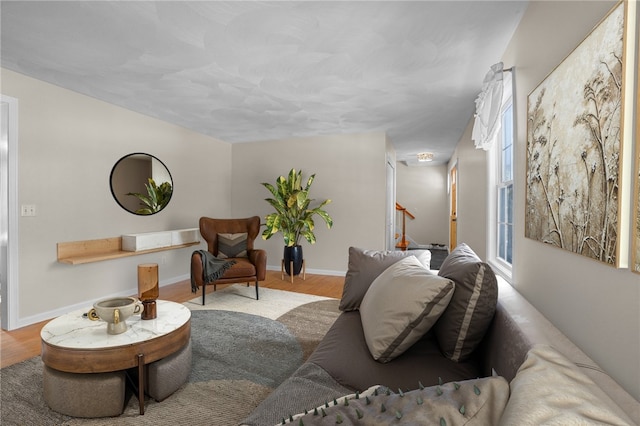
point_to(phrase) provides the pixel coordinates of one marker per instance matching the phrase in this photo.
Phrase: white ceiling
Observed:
(249, 71)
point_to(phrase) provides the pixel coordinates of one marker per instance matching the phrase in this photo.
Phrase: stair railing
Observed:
(403, 244)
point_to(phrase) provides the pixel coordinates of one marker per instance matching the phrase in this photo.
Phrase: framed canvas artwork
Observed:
(573, 147)
(635, 224)
(635, 260)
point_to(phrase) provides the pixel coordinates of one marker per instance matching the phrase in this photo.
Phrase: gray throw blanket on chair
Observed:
(212, 268)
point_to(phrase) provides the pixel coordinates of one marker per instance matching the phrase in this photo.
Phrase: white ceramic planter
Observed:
(185, 236)
(146, 241)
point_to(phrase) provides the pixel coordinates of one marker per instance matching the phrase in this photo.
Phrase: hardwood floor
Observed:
(24, 343)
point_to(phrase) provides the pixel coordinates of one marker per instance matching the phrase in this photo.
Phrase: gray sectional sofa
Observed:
(459, 347)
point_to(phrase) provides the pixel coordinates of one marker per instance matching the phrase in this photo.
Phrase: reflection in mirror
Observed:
(141, 184)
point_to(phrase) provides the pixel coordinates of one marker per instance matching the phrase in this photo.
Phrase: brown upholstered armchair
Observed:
(246, 269)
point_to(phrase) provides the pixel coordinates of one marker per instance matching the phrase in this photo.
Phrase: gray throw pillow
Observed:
(232, 245)
(464, 323)
(365, 266)
(401, 306)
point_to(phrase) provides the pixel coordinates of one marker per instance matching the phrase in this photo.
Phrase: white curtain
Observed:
(488, 105)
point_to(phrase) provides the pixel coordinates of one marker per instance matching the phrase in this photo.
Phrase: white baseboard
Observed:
(312, 271)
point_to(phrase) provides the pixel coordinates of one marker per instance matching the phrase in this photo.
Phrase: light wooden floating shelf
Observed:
(89, 251)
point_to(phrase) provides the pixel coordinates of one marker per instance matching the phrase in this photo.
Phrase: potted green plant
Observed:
(293, 216)
(156, 198)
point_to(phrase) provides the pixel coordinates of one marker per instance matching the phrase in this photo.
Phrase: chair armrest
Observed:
(196, 269)
(259, 259)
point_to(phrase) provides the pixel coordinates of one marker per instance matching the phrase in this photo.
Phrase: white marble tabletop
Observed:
(75, 331)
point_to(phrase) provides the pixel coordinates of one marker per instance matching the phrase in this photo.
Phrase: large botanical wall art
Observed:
(573, 147)
(636, 222)
(635, 260)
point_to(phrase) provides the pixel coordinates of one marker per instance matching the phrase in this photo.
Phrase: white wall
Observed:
(349, 169)
(68, 144)
(422, 190)
(595, 305)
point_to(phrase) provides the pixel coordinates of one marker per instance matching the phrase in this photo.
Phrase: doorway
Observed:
(453, 211)
(8, 211)
(390, 225)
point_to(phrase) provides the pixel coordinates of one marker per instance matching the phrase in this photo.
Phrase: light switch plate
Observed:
(28, 210)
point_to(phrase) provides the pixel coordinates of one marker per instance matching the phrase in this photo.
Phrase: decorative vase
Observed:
(148, 290)
(294, 254)
(115, 312)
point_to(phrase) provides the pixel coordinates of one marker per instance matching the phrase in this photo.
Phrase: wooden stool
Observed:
(304, 270)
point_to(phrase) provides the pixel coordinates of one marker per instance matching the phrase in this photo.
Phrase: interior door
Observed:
(453, 212)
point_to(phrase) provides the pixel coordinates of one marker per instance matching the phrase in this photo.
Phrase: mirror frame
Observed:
(119, 199)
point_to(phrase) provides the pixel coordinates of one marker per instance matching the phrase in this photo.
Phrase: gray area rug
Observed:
(238, 346)
(238, 359)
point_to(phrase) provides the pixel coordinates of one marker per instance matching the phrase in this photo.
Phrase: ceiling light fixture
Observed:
(425, 156)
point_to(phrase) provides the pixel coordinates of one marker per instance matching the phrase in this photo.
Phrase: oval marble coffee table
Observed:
(74, 344)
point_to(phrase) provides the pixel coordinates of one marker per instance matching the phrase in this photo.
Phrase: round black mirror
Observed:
(141, 183)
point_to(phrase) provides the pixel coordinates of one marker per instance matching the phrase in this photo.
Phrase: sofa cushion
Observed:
(468, 316)
(344, 354)
(232, 245)
(477, 402)
(549, 389)
(365, 266)
(401, 305)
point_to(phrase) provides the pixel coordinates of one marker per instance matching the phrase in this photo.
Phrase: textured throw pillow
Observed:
(232, 245)
(468, 316)
(365, 266)
(550, 390)
(477, 402)
(401, 305)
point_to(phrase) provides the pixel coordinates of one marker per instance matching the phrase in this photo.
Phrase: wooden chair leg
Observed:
(257, 297)
(204, 291)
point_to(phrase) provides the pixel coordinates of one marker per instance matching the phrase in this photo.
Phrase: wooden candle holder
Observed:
(148, 289)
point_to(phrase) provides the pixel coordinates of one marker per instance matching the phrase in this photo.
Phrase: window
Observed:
(501, 187)
(505, 189)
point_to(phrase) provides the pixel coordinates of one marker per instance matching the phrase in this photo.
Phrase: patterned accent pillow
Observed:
(464, 323)
(477, 402)
(365, 266)
(401, 306)
(232, 245)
